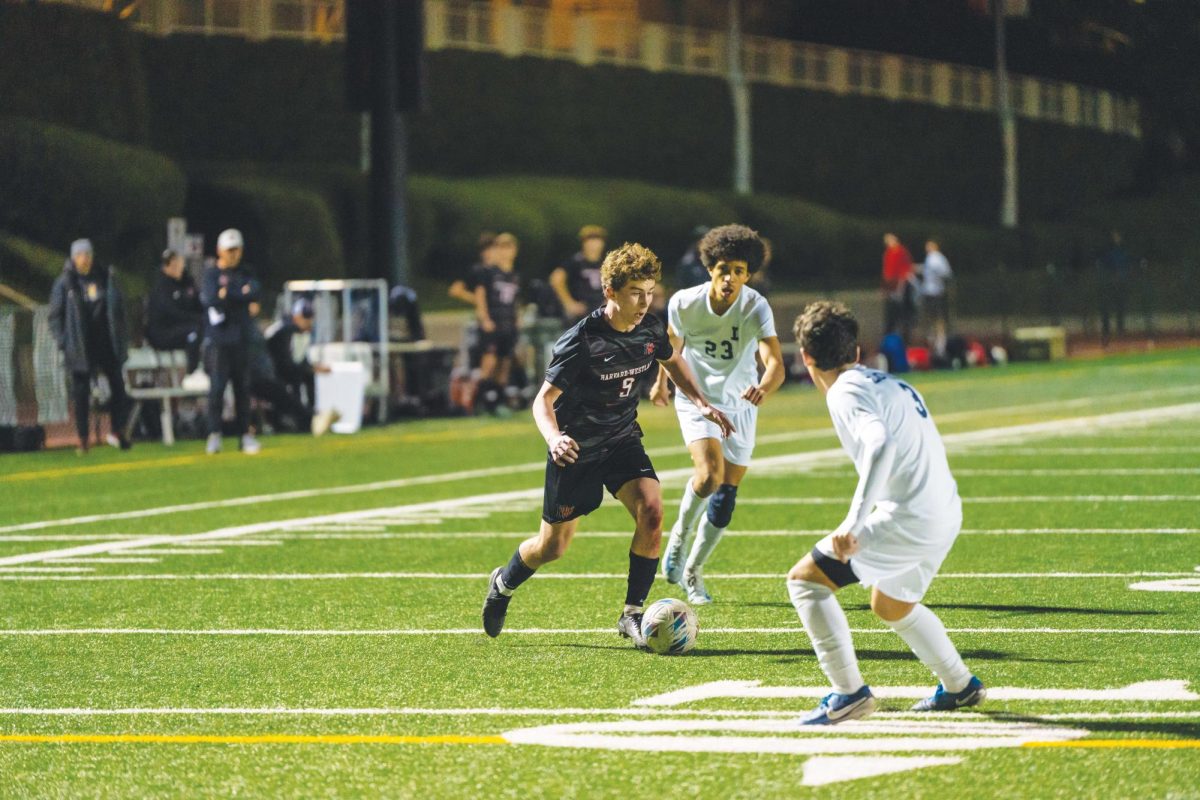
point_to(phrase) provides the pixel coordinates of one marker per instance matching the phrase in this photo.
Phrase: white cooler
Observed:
(343, 388)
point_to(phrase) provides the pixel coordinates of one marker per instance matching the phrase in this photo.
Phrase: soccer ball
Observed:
(670, 627)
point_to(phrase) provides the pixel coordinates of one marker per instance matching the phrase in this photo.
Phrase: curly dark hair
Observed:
(629, 262)
(827, 331)
(732, 243)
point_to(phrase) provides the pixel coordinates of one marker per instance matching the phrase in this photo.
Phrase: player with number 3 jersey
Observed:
(720, 326)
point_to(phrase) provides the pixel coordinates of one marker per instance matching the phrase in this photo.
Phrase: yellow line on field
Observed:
(92, 469)
(1119, 744)
(267, 738)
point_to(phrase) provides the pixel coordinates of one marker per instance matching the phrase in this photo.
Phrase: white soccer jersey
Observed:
(720, 349)
(886, 429)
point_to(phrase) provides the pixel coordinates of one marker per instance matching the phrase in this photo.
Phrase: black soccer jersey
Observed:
(501, 288)
(599, 370)
(583, 281)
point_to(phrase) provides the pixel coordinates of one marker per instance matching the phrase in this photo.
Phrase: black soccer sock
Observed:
(517, 572)
(641, 578)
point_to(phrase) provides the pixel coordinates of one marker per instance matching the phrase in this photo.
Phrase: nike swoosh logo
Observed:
(609, 358)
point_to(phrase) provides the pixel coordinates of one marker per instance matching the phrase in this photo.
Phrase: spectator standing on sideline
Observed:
(227, 291)
(174, 316)
(464, 288)
(935, 302)
(283, 382)
(576, 282)
(690, 271)
(87, 318)
(496, 311)
(897, 287)
(1115, 269)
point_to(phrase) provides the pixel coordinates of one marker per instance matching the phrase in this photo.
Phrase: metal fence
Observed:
(599, 37)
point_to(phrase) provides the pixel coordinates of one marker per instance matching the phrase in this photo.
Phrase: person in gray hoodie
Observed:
(87, 318)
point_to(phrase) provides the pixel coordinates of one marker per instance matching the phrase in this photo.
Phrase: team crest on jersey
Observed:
(650, 348)
(565, 511)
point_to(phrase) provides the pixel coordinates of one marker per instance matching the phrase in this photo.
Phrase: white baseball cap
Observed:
(229, 239)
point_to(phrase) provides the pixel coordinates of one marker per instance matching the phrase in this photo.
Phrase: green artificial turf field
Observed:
(306, 622)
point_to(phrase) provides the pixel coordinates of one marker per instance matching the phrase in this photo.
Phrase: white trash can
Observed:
(343, 388)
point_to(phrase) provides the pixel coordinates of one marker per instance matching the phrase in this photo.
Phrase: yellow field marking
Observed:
(1121, 744)
(92, 469)
(266, 738)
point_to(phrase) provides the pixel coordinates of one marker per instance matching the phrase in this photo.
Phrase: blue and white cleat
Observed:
(693, 582)
(672, 562)
(972, 695)
(835, 708)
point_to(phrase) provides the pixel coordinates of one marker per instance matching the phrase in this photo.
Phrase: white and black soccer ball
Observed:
(670, 627)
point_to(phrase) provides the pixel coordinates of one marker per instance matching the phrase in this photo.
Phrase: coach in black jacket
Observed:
(87, 318)
(227, 291)
(174, 316)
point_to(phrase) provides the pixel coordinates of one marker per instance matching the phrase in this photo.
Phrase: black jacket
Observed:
(68, 317)
(233, 322)
(279, 345)
(173, 310)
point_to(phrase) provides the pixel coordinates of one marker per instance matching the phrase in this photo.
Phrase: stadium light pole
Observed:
(389, 162)
(739, 92)
(1008, 120)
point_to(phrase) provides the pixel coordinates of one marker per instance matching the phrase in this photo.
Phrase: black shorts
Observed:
(501, 343)
(577, 489)
(837, 571)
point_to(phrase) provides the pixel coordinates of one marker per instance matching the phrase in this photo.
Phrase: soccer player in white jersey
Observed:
(903, 519)
(719, 326)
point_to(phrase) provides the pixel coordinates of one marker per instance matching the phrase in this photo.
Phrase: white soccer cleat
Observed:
(672, 562)
(693, 582)
(250, 445)
(213, 445)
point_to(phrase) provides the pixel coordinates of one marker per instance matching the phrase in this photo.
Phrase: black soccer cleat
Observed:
(495, 606)
(630, 627)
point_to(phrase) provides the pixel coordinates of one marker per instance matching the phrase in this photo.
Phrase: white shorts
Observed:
(898, 560)
(738, 447)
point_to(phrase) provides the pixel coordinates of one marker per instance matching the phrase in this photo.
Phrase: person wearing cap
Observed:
(87, 319)
(577, 281)
(281, 383)
(227, 291)
(174, 316)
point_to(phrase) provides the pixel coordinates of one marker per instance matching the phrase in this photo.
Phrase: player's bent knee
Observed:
(650, 516)
(708, 478)
(720, 505)
(890, 609)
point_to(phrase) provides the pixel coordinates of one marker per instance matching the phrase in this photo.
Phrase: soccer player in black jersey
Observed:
(496, 309)
(587, 413)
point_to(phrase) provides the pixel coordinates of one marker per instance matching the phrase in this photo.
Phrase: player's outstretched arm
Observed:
(563, 449)
(685, 380)
(773, 372)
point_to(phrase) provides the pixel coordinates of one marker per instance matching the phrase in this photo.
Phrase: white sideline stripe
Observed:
(79, 537)
(101, 560)
(555, 712)
(1138, 417)
(1052, 427)
(249, 543)
(481, 576)
(605, 631)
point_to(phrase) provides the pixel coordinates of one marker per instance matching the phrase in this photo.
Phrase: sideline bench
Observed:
(165, 370)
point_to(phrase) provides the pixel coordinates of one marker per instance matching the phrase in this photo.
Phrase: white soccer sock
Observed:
(827, 627)
(926, 637)
(706, 542)
(690, 509)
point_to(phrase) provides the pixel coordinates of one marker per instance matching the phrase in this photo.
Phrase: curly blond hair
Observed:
(629, 262)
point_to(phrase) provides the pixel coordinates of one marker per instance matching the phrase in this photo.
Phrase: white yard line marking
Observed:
(79, 537)
(794, 630)
(107, 561)
(4, 571)
(1135, 692)
(291, 534)
(481, 576)
(182, 551)
(1178, 585)
(1139, 418)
